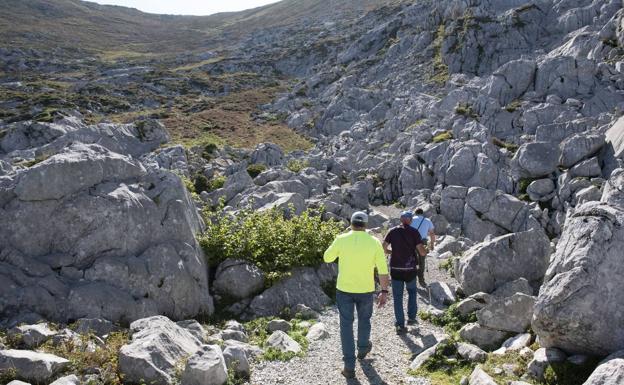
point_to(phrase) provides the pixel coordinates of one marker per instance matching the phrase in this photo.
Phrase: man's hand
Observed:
(382, 299)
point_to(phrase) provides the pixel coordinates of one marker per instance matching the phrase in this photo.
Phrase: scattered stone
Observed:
(423, 357)
(234, 325)
(17, 382)
(468, 305)
(304, 312)
(234, 335)
(442, 293)
(279, 324)
(318, 331)
(480, 377)
(609, 372)
(541, 359)
(32, 366)
(471, 352)
(282, 342)
(482, 336)
(31, 335)
(205, 367)
(515, 343)
(67, 380)
(236, 360)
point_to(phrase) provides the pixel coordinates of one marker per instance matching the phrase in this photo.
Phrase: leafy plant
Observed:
(268, 239)
(83, 358)
(201, 183)
(451, 319)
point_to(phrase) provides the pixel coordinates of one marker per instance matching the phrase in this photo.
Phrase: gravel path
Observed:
(387, 364)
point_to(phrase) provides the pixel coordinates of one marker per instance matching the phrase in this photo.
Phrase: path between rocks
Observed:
(387, 364)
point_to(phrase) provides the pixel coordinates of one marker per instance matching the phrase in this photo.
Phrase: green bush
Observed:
(267, 239)
(201, 183)
(446, 135)
(451, 320)
(296, 165)
(255, 169)
(216, 183)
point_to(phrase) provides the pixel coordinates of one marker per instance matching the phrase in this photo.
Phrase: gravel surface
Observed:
(387, 364)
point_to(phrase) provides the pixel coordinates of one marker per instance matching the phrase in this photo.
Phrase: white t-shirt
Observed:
(423, 225)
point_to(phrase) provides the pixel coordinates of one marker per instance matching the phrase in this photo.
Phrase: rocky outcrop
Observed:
(580, 300)
(491, 264)
(33, 366)
(89, 232)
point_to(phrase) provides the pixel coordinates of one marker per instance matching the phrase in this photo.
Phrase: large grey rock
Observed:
(512, 314)
(302, 287)
(79, 167)
(238, 279)
(483, 337)
(541, 189)
(123, 240)
(32, 366)
(578, 147)
(282, 342)
(581, 299)
(489, 265)
(615, 138)
(205, 367)
(158, 345)
(517, 342)
(422, 357)
(609, 372)
(534, 160)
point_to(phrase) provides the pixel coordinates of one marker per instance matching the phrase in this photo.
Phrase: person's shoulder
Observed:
(429, 222)
(344, 235)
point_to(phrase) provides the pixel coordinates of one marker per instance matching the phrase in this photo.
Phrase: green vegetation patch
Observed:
(258, 335)
(443, 137)
(451, 320)
(268, 239)
(444, 367)
(84, 356)
(466, 110)
(511, 147)
(255, 169)
(296, 165)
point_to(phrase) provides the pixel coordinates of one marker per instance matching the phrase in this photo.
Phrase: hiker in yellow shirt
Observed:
(358, 254)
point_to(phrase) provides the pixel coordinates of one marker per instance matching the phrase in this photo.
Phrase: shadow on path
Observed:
(371, 373)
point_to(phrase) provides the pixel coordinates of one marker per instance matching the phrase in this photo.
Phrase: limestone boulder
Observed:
(238, 279)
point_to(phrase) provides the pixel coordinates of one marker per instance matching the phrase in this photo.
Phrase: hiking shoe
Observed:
(362, 353)
(401, 330)
(412, 322)
(348, 373)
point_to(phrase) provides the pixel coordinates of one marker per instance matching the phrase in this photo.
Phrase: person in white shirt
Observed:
(427, 233)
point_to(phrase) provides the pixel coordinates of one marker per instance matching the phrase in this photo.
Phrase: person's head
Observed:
(359, 220)
(419, 211)
(406, 217)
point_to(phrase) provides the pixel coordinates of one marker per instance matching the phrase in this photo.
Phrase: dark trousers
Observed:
(347, 304)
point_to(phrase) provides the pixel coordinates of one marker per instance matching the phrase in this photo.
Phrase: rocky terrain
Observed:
(122, 144)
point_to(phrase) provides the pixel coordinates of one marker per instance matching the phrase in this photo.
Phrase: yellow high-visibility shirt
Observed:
(358, 253)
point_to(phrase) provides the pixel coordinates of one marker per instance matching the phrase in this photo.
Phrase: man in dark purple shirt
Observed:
(404, 241)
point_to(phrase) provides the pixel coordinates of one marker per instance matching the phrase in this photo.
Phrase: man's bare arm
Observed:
(385, 247)
(421, 249)
(432, 239)
(383, 297)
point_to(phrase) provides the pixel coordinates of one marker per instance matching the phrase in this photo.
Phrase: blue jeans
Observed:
(346, 303)
(397, 296)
